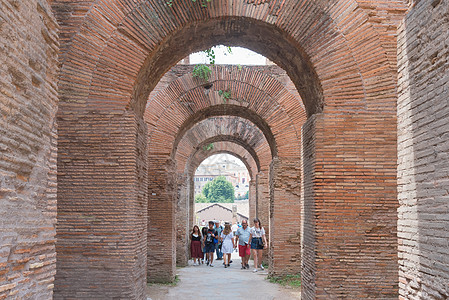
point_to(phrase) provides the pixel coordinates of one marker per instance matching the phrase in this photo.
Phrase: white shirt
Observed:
(257, 232)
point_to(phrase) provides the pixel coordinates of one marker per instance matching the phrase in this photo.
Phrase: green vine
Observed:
(202, 72)
(208, 147)
(202, 2)
(225, 94)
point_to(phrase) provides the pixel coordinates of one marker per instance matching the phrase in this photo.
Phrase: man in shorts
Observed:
(209, 245)
(242, 236)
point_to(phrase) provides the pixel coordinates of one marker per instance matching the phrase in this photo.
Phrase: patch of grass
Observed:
(287, 280)
(169, 283)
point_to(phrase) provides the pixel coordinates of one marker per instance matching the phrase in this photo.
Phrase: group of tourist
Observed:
(223, 241)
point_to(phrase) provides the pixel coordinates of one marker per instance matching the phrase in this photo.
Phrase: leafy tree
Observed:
(219, 190)
(201, 199)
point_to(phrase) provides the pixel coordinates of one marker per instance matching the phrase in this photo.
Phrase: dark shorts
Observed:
(254, 244)
(208, 248)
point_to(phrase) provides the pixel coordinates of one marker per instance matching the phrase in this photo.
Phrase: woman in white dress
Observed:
(227, 239)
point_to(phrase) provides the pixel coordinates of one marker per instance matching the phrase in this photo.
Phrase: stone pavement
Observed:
(216, 283)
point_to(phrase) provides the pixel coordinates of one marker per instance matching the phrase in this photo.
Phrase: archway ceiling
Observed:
(254, 95)
(237, 130)
(112, 52)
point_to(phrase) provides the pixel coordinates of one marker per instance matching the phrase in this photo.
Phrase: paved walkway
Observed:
(216, 283)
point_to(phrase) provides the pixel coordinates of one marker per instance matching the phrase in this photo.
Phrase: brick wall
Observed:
(350, 207)
(102, 206)
(308, 221)
(285, 256)
(423, 147)
(162, 196)
(28, 104)
(182, 221)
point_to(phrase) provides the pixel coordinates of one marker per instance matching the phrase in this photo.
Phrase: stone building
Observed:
(226, 212)
(345, 139)
(233, 172)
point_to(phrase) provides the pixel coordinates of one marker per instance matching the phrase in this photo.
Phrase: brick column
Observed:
(263, 207)
(252, 198)
(182, 221)
(102, 203)
(349, 213)
(284, 250)
(28, 148)
(161, 219)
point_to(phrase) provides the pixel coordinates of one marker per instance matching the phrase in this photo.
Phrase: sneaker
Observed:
(247, 266)
(243, 267)
(261, 267)
(211, 265)
(230, 262)
(229, 265)
(207, 263)
(226, 266)
(255, 270)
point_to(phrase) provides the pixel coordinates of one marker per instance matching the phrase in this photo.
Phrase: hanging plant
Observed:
(208, 147)
(225, 94)
(202, 72)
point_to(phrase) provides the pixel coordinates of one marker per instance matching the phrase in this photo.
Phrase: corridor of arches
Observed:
(137, 147)
(317, 132)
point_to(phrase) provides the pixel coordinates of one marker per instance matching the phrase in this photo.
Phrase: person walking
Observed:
(242, 239)
(227, 240)
(258, 242)
(195, 246)
(209, 243)
(203, 244)
(217, 242)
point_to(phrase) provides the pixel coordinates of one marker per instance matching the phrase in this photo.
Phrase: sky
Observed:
(239, 56)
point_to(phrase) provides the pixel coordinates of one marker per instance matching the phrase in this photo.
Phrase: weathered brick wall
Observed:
(308, 221)
(263, 208)
(28, 105)
(423, 164)
(343, 67)
(285, 250)
(353, 209)
(162, 196)
(102, 206)
(252, 198)
(182, 220)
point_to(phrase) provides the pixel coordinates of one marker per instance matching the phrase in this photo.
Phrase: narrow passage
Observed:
(204, 282)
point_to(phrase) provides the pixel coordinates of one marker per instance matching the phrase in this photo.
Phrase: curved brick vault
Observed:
(263, 101)
(185, 202)
(112, 53)
(228, 128)
(232, 135)
(341, 56)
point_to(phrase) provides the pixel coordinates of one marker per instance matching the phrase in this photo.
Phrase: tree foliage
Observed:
(217, 191)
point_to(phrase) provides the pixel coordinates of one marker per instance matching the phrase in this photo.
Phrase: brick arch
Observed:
(254, 95)
(226, 128)
(148, 33)
(112, 55)
(224, 147)
(186, 190)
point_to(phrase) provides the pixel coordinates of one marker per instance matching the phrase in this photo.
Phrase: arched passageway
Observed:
(247, 102)
(342, 62)
(90, 164)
